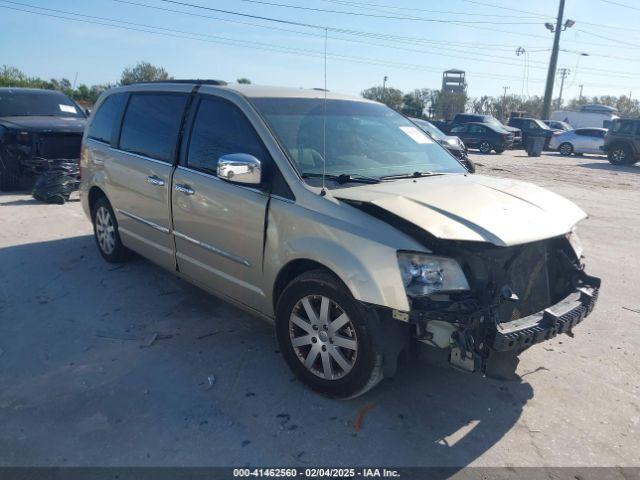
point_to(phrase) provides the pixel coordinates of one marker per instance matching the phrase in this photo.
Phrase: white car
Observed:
(581, 140)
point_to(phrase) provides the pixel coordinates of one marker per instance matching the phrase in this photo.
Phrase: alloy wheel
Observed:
(323, 337)
(105, 231)
(485, 147)
(566, 149)
(618, 155)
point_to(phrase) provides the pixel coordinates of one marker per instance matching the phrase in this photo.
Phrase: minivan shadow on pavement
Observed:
(123, 365)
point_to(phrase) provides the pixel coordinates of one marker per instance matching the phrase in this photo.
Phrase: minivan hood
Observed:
(473, 207)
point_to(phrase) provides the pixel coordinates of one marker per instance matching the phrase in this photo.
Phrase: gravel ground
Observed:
(81, 383)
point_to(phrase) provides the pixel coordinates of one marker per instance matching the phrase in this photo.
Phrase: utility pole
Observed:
(384, 87)
(581, 87)
(504, 98)
(564, 73)
(553, 62)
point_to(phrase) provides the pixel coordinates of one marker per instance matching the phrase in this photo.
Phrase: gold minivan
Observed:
(338, 220)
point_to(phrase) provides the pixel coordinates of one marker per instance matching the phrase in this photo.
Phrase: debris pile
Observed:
(59, 178)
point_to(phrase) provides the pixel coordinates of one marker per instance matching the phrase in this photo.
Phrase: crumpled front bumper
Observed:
(559, 318)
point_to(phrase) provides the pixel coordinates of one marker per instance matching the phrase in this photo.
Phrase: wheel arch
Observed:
(95, 193)
(294, 269)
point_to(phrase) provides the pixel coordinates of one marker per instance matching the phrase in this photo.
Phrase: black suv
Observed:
(483, 136)
(36, 126)
(531, 127)
(622, 141)
(461, 118)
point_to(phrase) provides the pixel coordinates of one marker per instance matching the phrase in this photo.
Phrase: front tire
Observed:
(499, 150)
(565, 149)
(105, 231)
(325, 337)
(485, 147)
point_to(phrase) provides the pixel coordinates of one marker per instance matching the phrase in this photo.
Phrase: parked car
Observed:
(579, 141)
(557, 125)
(596, 116)
(455, 146)
(622, 142)
(483, 136)
(36, 126)
(461, 118)
(531, 127)
(350, 229)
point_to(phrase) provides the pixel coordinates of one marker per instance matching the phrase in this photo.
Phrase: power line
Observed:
(428, 10)
(620, 4)
(230, 41)
(621, 42)
(388, 17)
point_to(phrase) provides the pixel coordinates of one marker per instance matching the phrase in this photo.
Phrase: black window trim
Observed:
(175, 151)
(264, 188)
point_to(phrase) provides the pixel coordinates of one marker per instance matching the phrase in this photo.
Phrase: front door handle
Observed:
(155, 180)
(186, 189)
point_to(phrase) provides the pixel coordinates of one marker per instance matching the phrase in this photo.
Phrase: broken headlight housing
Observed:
(423, 274)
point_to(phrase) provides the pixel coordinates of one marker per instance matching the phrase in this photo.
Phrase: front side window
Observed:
(104, 120)
(352, 138)
(24, 103)
(476, 129)
(458, 129)
(151, 124)
(220, 128)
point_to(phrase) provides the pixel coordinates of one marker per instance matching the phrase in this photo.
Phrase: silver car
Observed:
(336, 219)
(581, 140)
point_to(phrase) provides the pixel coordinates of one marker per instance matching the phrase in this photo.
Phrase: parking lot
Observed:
(128, 365)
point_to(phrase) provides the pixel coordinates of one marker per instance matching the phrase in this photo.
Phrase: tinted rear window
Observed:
(151, 124)
(105, 120)
(623, 126)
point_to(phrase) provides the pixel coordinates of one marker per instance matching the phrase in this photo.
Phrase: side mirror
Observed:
(240, 168)
(87, 111)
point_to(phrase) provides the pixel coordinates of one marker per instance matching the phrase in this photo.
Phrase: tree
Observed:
(244, 81)
(391, 97)
(143, 72)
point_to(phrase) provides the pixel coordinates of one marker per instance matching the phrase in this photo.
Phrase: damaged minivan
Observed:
(338, 220)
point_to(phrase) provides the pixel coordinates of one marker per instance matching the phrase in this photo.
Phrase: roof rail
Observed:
(196, 81)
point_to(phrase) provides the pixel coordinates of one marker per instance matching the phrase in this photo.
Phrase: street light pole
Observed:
(553, 62)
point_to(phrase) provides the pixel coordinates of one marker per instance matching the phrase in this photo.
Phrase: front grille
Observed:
(539, 274)
(58, 145)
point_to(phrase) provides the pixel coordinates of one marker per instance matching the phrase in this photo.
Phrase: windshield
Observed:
(362, 139)
(21, 103)
(541, 124)
(429, 128)
(494, 121)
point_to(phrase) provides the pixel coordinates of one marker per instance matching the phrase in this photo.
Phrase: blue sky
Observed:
(412, 54)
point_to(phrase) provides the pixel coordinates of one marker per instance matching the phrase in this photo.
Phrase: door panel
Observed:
(219, 234)
(139, 189)
(140, 172)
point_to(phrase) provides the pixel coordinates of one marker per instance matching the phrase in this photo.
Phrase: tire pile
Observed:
(57, 181)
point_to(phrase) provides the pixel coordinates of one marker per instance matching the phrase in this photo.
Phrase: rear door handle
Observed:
(155, 180)
(186, 189)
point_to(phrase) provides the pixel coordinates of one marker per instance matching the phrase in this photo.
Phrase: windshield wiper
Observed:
(409, 175)
(343, 178)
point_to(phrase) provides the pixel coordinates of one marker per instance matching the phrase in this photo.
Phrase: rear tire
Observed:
(10, 176)
(105, 231)
(620, 155)
(565, 149)
(485, 147)
(325, 336)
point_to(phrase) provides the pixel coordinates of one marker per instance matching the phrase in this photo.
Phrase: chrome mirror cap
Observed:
(240, 168)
